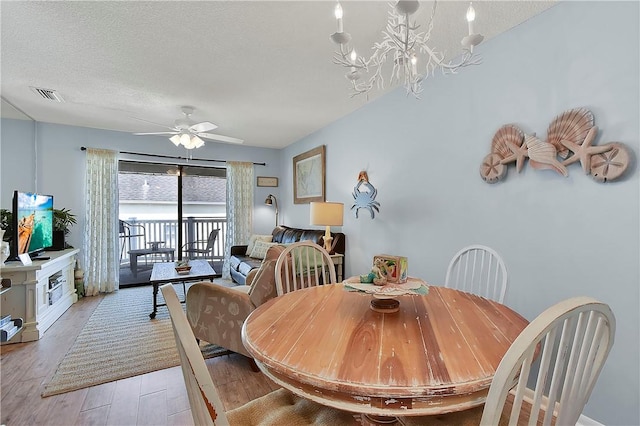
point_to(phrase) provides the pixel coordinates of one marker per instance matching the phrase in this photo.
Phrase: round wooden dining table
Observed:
(437, 354)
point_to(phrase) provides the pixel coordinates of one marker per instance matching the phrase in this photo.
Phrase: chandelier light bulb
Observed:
(414, 65)
(338, 13)
(353, 58)
(175, 139)
(471, 13)
(471, 16)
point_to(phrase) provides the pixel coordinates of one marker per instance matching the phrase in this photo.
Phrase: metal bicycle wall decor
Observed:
(572, 132)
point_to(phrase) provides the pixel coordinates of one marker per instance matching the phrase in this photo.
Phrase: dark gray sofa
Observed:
(241, 264)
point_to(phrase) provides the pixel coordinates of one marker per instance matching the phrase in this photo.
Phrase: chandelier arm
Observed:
(407, 32)
(342, 58)
(393, 34)
(467, 59)
(402, 45)
(360, 88)
(378, 60)
(433, 14)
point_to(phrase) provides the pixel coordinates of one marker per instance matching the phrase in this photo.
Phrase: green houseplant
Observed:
(5, 232)
(6, 223)
(63, 219)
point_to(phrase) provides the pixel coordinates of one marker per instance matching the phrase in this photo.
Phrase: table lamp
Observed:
(271, 201)
(326, 214)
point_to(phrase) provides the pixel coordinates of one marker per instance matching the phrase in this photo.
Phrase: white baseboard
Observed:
(586, 421)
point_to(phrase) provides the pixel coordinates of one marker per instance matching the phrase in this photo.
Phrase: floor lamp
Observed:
(326, 214)
(271, 201)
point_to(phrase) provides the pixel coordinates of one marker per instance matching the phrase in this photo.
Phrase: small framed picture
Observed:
(267, 181)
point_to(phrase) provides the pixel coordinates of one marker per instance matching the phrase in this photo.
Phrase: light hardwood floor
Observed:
(157, 398)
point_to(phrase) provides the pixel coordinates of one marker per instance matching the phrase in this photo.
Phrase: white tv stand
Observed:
(33, 299)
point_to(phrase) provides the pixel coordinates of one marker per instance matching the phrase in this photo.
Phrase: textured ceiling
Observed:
(260, 70)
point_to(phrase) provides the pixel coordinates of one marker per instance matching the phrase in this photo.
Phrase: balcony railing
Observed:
(166, 231)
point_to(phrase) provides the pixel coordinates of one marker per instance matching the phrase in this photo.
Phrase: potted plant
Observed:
(63, 219)
(6, 223)
(6, 231)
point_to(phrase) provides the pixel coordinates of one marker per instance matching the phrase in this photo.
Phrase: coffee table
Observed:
(165, 272)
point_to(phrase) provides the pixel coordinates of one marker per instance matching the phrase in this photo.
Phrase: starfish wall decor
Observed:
(572, 132)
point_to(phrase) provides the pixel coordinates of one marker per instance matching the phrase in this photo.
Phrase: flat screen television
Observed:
(32, 223)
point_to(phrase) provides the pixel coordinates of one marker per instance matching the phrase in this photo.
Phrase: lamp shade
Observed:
(326, 214)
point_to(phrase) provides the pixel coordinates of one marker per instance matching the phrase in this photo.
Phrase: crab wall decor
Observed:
(572, 132)
(364, 196)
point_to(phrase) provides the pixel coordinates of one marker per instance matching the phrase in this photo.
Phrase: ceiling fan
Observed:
(187, 132)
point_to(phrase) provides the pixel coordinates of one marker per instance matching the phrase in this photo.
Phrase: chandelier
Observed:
(187, 140)
(407, 46)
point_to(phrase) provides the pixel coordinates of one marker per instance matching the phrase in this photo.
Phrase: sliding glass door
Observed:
(168, 212)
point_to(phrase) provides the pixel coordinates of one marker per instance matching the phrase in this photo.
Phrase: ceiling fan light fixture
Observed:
(197, 142)
(185, 140)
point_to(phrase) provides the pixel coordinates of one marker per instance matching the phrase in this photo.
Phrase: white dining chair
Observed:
(303, 264)
(479, 270)
(279, 407)
(547, 374)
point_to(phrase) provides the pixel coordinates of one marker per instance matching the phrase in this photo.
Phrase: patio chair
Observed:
(201, 248)
(560, 354)
(128, 231)
(279, 407)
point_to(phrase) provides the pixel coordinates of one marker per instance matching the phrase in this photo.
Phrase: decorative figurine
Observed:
(365, 199)
(378, 274)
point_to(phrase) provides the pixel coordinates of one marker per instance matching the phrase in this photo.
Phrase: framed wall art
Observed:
(308, 176)
(267, 181)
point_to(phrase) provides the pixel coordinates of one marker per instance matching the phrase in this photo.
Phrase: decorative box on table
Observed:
(395, 267)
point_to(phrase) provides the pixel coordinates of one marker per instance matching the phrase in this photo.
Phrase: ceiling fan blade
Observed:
(220, 138)
(205, 126)
(156, 133)
(156, 124)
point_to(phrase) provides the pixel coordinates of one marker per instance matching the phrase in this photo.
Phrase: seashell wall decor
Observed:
(570, 138)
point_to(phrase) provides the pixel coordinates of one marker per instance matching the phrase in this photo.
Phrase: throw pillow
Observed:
(260, 249)
(254, 238)
(263, 286)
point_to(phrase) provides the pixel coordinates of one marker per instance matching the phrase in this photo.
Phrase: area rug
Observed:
(119, 341)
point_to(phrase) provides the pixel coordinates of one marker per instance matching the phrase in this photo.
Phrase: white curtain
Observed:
(101, 262)
(239, 208)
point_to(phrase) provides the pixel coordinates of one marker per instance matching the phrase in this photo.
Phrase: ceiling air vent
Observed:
(49, 94)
